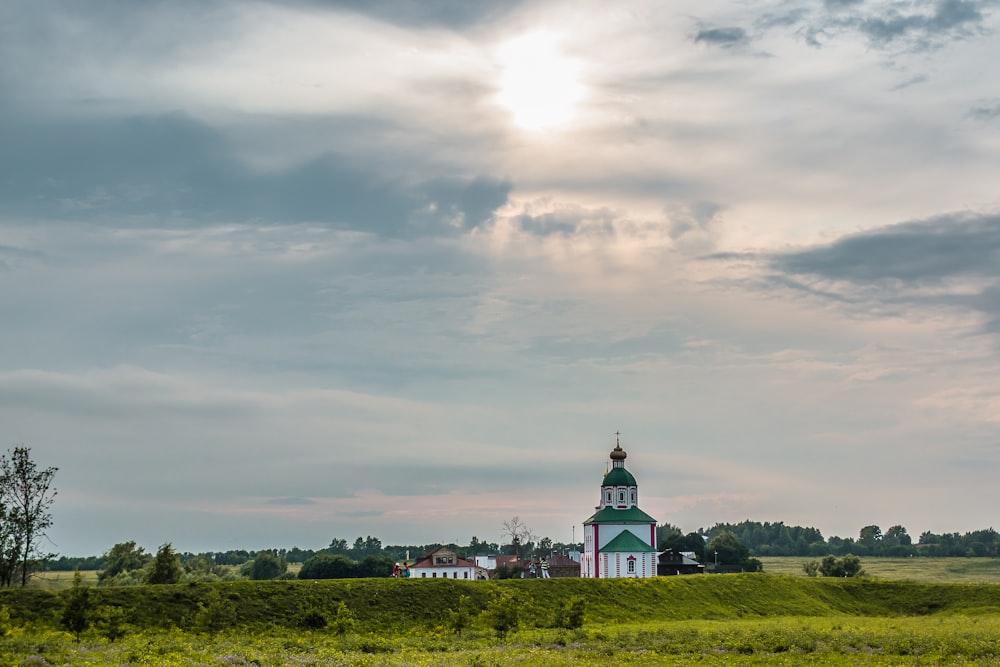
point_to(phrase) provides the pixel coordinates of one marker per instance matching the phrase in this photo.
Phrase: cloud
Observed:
(726, 37)
(171, 165)
(451, 13)
(948, 261)
(913, 252)
(922, 30)
(985, 111)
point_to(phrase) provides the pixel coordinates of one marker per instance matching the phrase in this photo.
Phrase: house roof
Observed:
(612, 515)
(428, 560)
(626, 541)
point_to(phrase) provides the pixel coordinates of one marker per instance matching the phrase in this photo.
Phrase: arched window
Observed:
(607, 497)
(633, 496)
(621, 497)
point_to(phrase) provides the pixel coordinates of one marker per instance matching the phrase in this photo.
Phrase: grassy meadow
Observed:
(741, 619)
(925, 570)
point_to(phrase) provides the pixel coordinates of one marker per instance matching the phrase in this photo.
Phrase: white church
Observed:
(619, 540)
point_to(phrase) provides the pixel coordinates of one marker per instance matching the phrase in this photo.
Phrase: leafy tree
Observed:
(811, 568)
(728, 548)
(374, 566)
(328, 567)
(870, 539)
(338, 545)
(123, 557)
(692, 543)
(76, 614)
(26, 497)
(266, 565)
(544, 547)
(166, 567)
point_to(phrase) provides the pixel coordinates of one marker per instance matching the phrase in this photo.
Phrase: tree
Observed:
(328, 567)
(166, 567)
(76, 615)
(265, 566)
(123, 557)
(870, 538)
(728, 548)
(26, 497)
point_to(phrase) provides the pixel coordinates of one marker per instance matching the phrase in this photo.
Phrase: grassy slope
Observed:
(393, 606)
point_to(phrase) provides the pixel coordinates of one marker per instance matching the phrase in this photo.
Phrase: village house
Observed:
(443, 563)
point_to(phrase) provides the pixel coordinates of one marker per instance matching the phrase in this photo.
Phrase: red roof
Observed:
(428, 560)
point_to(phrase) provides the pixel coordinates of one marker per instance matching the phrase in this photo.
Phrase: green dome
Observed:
(619, 477)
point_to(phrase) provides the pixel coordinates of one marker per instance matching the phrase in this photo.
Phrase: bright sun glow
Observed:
(539, 86)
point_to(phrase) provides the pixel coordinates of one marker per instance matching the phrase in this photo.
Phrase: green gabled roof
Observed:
(611, 515)
(618, 477)
(626, 541)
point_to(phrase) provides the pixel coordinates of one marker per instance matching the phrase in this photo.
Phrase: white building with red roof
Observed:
(443, 563)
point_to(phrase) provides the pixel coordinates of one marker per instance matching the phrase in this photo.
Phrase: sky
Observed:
(273, 273)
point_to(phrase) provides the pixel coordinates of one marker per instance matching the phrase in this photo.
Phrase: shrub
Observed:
(312, 619)
(76, 615)
(110, 621)
(461, 617)
(848, 566)
(570, 614)
(503, 614)
(216, 614)
(343, 621)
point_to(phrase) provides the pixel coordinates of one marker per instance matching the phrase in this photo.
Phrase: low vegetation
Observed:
(735, 619)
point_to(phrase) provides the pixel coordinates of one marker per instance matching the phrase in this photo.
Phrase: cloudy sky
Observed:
(277, 272)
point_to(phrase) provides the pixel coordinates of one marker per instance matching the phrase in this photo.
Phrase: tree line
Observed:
(777, 539)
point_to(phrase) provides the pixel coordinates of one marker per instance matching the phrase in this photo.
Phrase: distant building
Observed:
(443, 563)
(678, 562)
(563, 566)
(619, 540)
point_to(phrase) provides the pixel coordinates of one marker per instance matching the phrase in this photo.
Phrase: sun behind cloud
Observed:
(540, 86)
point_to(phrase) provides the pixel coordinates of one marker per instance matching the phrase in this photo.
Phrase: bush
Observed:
(848, 566)
(110, 622)
(344, 620)
(570, 614)
(503, 614)
(312, 619)
(215, 614)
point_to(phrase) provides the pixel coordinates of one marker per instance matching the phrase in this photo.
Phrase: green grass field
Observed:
(741, 619)
(926, 570)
